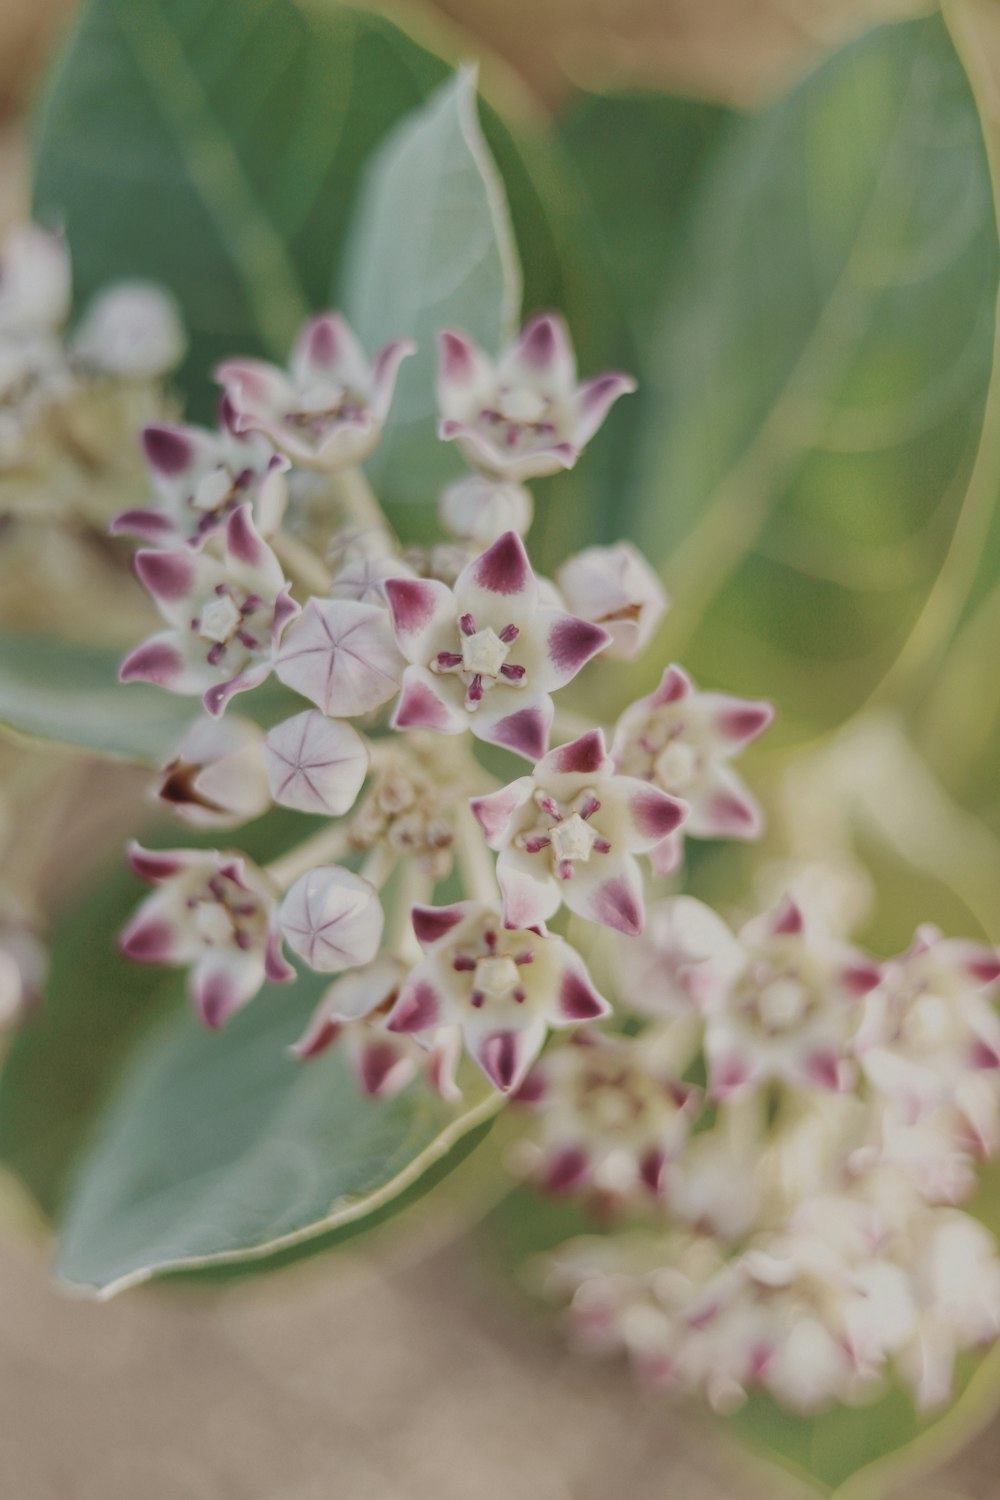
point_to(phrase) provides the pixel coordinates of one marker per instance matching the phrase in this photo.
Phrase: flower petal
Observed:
(222, 982)
(569, 644)
(594, 400)
(341, 655)
(422, 610)
(494, 811)
(608, 891)
(421, 705)
(525, 730)
(333, 919)
(420, 1005)
(315, 764)
(501, 575)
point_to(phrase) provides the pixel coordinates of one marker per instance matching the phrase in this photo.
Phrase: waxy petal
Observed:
(505, 1055)
(541, 357)
(222, 982)
(420, 1005)
(569, 644)
(608, 892)
(333, 919)
(594, 400)
(315, 764)
(465, 375)
(342, 655)
(525, 730)
(494, 811)
(423, 612)
(385, 369)
(422, 706)
(501, 578)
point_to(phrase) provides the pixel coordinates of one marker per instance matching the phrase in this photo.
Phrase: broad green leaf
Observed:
(222, 1149)
(68, 692)
(823, 357)
(225, 143)
(431, 247)
(639, 156)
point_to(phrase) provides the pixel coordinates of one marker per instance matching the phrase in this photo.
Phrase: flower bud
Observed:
(216, 778)
(480, 509)
(133, 330)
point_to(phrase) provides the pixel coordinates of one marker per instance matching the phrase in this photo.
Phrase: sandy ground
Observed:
(350, 1378)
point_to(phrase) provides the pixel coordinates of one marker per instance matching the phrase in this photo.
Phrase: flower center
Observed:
(323, 405)
(677, 764)
(224, 915)
(482, 661)
(522, 406)
(565, 831)
(213, 490)
(223, 620)
(494, 975)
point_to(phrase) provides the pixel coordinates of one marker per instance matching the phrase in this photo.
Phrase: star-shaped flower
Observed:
(611, 1116)
(682, 740)
(569, 833)
(525, 415)
(315, 764)
(503, 988)
(215, 914)
(333, 919)
(327, 410)
(200, 478)
(486, 655)
(226, 615)
(342, 656)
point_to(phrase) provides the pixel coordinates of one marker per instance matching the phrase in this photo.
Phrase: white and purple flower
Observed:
(522, 416)
(569, 833)
(200, 478)
(214, 914)
(328, 409)
(503, 987)
(615, 587)
(486, 655)
(227, 616)
(682, 740)
(216, 778)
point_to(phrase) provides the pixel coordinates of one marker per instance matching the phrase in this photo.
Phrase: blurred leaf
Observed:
(68, 691)
(219, 1149)
(454, 266)
(63, 1059)
(823, 359)
(224, 144)
(639, 157)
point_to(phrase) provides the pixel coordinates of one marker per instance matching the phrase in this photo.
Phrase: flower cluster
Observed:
(787, 1123)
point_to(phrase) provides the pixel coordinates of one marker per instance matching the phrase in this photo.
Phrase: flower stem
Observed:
(355, 496)
(474, 860)
(325, 847)
(305, 566)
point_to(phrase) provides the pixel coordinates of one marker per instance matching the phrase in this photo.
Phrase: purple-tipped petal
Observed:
(787, 918)
(147, 525)
(243, 540)
(494, 811)
(149, 940)
(823, 1069)
(654, 814)
(579, 1001)
(503, 568)
(526, 902)
(156, 865)
(565, 1171)
(431, 923)
(418, 1008)
(168, 449)
(594, 400)
(415, 604)
(500, 1055)
(674, 685)
(737, 721)
(526, 731)
(570, 645)
(385, 369)
(155, 661)
(421, 706)
(167, 575)
(586, 756)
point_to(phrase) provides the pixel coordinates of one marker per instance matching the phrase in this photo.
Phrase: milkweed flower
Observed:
(569, 833)
(201, 478)
(524, 415)
(315, 764)
(342, 656)
(328, 409)
(215, 778)
(615, 587)
(486, 655)
(214, 914)
(682, 740)
(611, 1115)
(503, 987)
(227, 614)
(332, 919)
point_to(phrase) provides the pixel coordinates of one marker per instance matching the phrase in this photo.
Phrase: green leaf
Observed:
(221, 1149)
(823, 359)
(68, 692)
(639, 155)
(431, 247)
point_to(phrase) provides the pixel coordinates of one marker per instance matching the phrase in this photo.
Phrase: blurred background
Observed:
(404, 1369)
